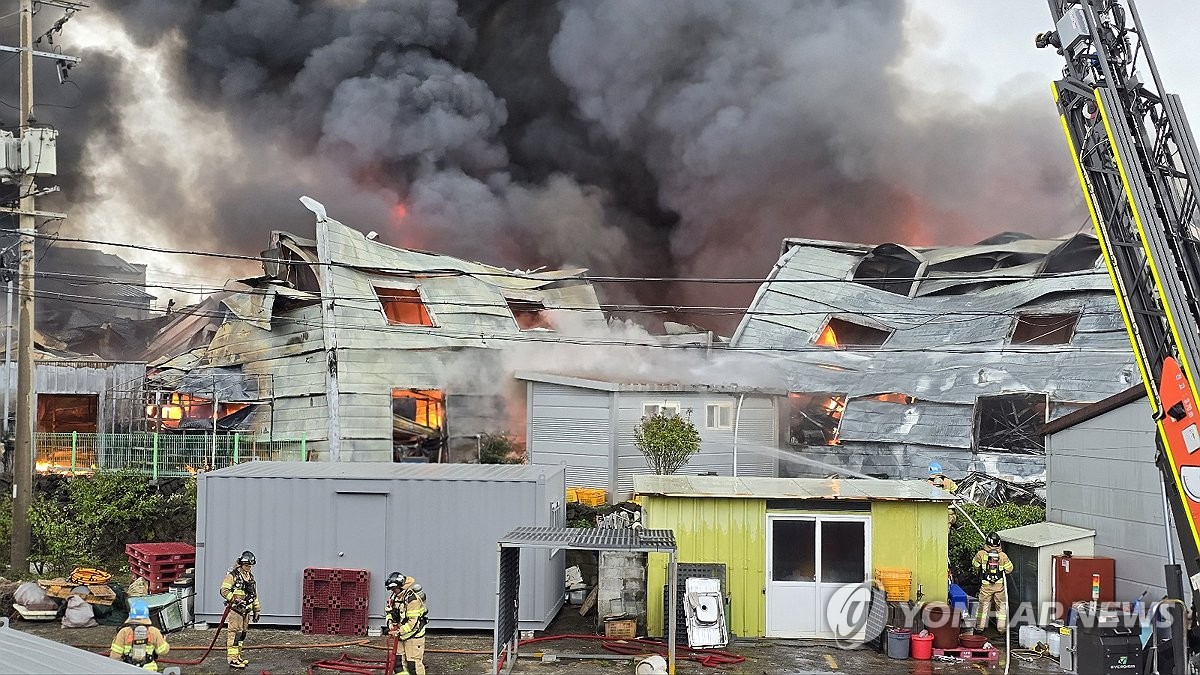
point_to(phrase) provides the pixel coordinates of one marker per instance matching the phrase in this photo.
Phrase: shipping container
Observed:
(438, 523)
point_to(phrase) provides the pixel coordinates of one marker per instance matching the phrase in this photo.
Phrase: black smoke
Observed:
(673, 137)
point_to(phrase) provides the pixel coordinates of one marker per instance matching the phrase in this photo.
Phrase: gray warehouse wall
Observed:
(436, 522)
(571, 425)
(1101, 475)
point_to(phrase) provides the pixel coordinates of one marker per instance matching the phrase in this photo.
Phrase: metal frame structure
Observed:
(1137, 164)
(508, 577)
(1139, 168)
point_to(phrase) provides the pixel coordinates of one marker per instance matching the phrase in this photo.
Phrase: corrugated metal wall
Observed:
(572, 425)
(116, 383)
(913, 535)
(438, 523)
(1101, 476)
(729, 531)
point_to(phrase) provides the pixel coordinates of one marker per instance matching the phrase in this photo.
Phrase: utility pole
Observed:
(36, 148)
(23, 462)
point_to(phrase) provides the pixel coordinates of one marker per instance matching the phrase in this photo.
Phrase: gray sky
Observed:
(986, 46)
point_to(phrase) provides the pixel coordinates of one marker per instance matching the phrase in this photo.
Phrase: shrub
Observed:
(965, 540)
(88, 520)
(667, 441)
(499, 449)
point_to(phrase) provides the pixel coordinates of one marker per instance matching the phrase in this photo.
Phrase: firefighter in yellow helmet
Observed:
(406, 618)
(240, 592)
(138, 642)
(993, 565)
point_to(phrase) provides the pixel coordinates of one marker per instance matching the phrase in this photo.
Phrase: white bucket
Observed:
(1034, 637)
(1053, 640)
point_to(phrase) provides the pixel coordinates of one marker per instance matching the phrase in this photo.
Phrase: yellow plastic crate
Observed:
(592, 496)
(572, 495)
(897, 582)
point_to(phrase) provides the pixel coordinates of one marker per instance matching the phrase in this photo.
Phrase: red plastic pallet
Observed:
(162, 552)
(325, 621)
(335, 601)
(969, 654)
(160, 567)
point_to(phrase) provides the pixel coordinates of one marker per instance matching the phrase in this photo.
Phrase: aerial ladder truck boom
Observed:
(1139, 168)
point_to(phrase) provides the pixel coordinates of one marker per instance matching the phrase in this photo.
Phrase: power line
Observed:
(442, 272)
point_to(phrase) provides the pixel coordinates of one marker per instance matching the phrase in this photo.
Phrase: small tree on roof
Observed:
(667, 441)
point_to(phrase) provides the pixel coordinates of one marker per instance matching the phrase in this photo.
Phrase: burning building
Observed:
(899, 356)
(399, 363)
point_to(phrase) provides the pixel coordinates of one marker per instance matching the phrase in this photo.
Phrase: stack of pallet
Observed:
(160, 563)
(336, 601)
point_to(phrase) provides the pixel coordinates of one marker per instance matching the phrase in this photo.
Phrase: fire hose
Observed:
(710, 658)
(351, 664)
(206, 651)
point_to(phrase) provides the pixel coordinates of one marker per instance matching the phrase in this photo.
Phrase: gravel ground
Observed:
(287, 651)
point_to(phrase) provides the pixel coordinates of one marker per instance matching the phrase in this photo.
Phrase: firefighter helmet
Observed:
(935, 469)
(246, 558)
(992, 539)
(394, 580)
(138, 609)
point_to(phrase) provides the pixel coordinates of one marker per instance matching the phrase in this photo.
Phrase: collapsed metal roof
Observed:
(949, 314)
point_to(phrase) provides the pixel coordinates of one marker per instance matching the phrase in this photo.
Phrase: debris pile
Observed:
(986, 490)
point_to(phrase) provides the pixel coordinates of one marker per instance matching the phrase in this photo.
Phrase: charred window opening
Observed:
(64, 413)
(530, 314)
(418, 425)
(1044, 329)
(1077, 254)
(888, 267)
(404, 307)
(814, 418)
(842, 334)
(904, 399)
(1011, 423)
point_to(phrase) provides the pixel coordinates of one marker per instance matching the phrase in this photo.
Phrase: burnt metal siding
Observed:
(572, 426)
(901, 460)
(758, 436)
(1101, 476)
(469, 312)
(945, 350)
(437, 523)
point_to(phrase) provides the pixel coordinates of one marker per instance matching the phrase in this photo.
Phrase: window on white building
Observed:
(718, 415)
(667, 408)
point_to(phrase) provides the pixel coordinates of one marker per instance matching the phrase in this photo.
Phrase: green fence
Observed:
(159, 454)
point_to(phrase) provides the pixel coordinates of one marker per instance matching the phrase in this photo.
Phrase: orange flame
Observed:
(828, 338)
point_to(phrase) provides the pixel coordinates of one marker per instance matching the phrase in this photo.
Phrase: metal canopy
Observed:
(508, 578)
(592, 539)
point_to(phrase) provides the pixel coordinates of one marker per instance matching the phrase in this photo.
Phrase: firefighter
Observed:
(240, 593)
(993, 565)
(406, 619)
(138, 642)
(939, 479)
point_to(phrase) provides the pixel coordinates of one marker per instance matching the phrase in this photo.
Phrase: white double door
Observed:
(809, 558)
